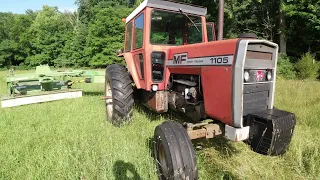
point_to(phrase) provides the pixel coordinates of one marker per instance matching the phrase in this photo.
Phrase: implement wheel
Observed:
(118, 94)
(174, 154)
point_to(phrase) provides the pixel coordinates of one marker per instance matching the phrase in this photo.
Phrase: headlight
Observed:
(246, 76)
(269, 76)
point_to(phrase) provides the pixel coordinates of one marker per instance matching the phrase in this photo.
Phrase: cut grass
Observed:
(71, 139)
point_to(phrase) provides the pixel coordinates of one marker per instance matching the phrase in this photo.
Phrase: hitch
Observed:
(204, 130)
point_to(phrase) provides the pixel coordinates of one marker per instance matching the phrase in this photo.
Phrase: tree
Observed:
(12, 29)
(303, 26)
(282, 28)
(91, 35)
(106, 35)
(49, 31)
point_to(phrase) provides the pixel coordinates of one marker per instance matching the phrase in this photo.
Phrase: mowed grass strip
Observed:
(71, 139)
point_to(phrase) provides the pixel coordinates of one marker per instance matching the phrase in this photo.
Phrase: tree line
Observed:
(90, 36)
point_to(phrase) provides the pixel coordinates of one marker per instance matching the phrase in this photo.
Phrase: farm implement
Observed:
(46, 85)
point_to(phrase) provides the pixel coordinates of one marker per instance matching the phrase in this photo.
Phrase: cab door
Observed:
(138, 47)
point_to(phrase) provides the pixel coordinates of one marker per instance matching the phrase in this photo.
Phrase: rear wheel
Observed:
(119, 95)
(174, 154)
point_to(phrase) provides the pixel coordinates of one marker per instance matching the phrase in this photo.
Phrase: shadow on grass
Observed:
(95, 93)
(154, 116)
(124, 171)
(150, 142)
(224, 147)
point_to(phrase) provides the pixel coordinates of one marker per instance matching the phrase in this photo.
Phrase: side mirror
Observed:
(211, 31)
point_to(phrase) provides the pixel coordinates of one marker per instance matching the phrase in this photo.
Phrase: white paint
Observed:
(137, 11)
(168, 5)
(238, 79)
(237, 134)
(5, 103)
(202, 61)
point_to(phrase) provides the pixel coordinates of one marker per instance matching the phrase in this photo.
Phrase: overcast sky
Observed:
(19, 6)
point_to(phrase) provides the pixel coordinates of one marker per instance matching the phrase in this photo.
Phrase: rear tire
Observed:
(174, 154)
(119, 95)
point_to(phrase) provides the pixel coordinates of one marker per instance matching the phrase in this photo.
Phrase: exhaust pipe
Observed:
(220, 21)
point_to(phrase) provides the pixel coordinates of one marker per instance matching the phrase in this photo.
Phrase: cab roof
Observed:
(168, 5)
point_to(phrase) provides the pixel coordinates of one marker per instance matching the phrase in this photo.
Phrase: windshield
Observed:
(174, 28)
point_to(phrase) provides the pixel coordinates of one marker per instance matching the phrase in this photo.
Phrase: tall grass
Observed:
(71, 139)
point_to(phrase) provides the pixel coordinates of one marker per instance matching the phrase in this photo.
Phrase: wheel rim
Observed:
(162, 161)
(109, 102)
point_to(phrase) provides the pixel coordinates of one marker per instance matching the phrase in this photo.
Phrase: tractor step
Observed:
(41, 97)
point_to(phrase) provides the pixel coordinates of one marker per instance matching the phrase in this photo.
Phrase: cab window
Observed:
(139, 27)
(173, 28)
(128, 37)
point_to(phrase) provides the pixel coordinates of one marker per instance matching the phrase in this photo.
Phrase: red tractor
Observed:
(224, 87)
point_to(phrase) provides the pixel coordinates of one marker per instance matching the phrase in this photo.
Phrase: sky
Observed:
(20, 6)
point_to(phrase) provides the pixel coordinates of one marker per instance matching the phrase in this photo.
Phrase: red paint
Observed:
(215, 48)
(217, 92)
(259, 75)
(216, 80)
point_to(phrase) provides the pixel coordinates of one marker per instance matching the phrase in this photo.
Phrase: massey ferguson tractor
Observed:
(223, 87)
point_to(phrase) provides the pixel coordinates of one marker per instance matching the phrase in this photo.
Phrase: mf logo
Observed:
(179, 58)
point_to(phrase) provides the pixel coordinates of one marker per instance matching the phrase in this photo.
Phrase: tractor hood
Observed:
(203, 54)
(222, 66)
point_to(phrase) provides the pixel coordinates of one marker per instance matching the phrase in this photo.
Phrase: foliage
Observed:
(307, 67)
(303, 26)
(90, 36)
(285, 68)
(105, 36)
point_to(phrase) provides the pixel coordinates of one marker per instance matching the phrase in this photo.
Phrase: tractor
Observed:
(224, 87)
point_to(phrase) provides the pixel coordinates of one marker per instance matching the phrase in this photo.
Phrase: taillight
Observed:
(157, 59)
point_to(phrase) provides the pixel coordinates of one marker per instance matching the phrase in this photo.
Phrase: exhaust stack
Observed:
(220, 21)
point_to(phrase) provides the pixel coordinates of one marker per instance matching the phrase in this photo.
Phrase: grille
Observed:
(255, 97)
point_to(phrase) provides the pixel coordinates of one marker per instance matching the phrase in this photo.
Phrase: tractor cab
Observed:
(153, 28)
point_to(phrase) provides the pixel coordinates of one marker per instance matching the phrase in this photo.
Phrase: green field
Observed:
(71, 139)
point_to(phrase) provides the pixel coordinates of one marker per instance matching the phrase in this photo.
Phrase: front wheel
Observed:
(118, 94)
(174, 154)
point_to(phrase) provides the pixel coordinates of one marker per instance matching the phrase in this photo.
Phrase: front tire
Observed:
(174, 154)
(119, 95)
